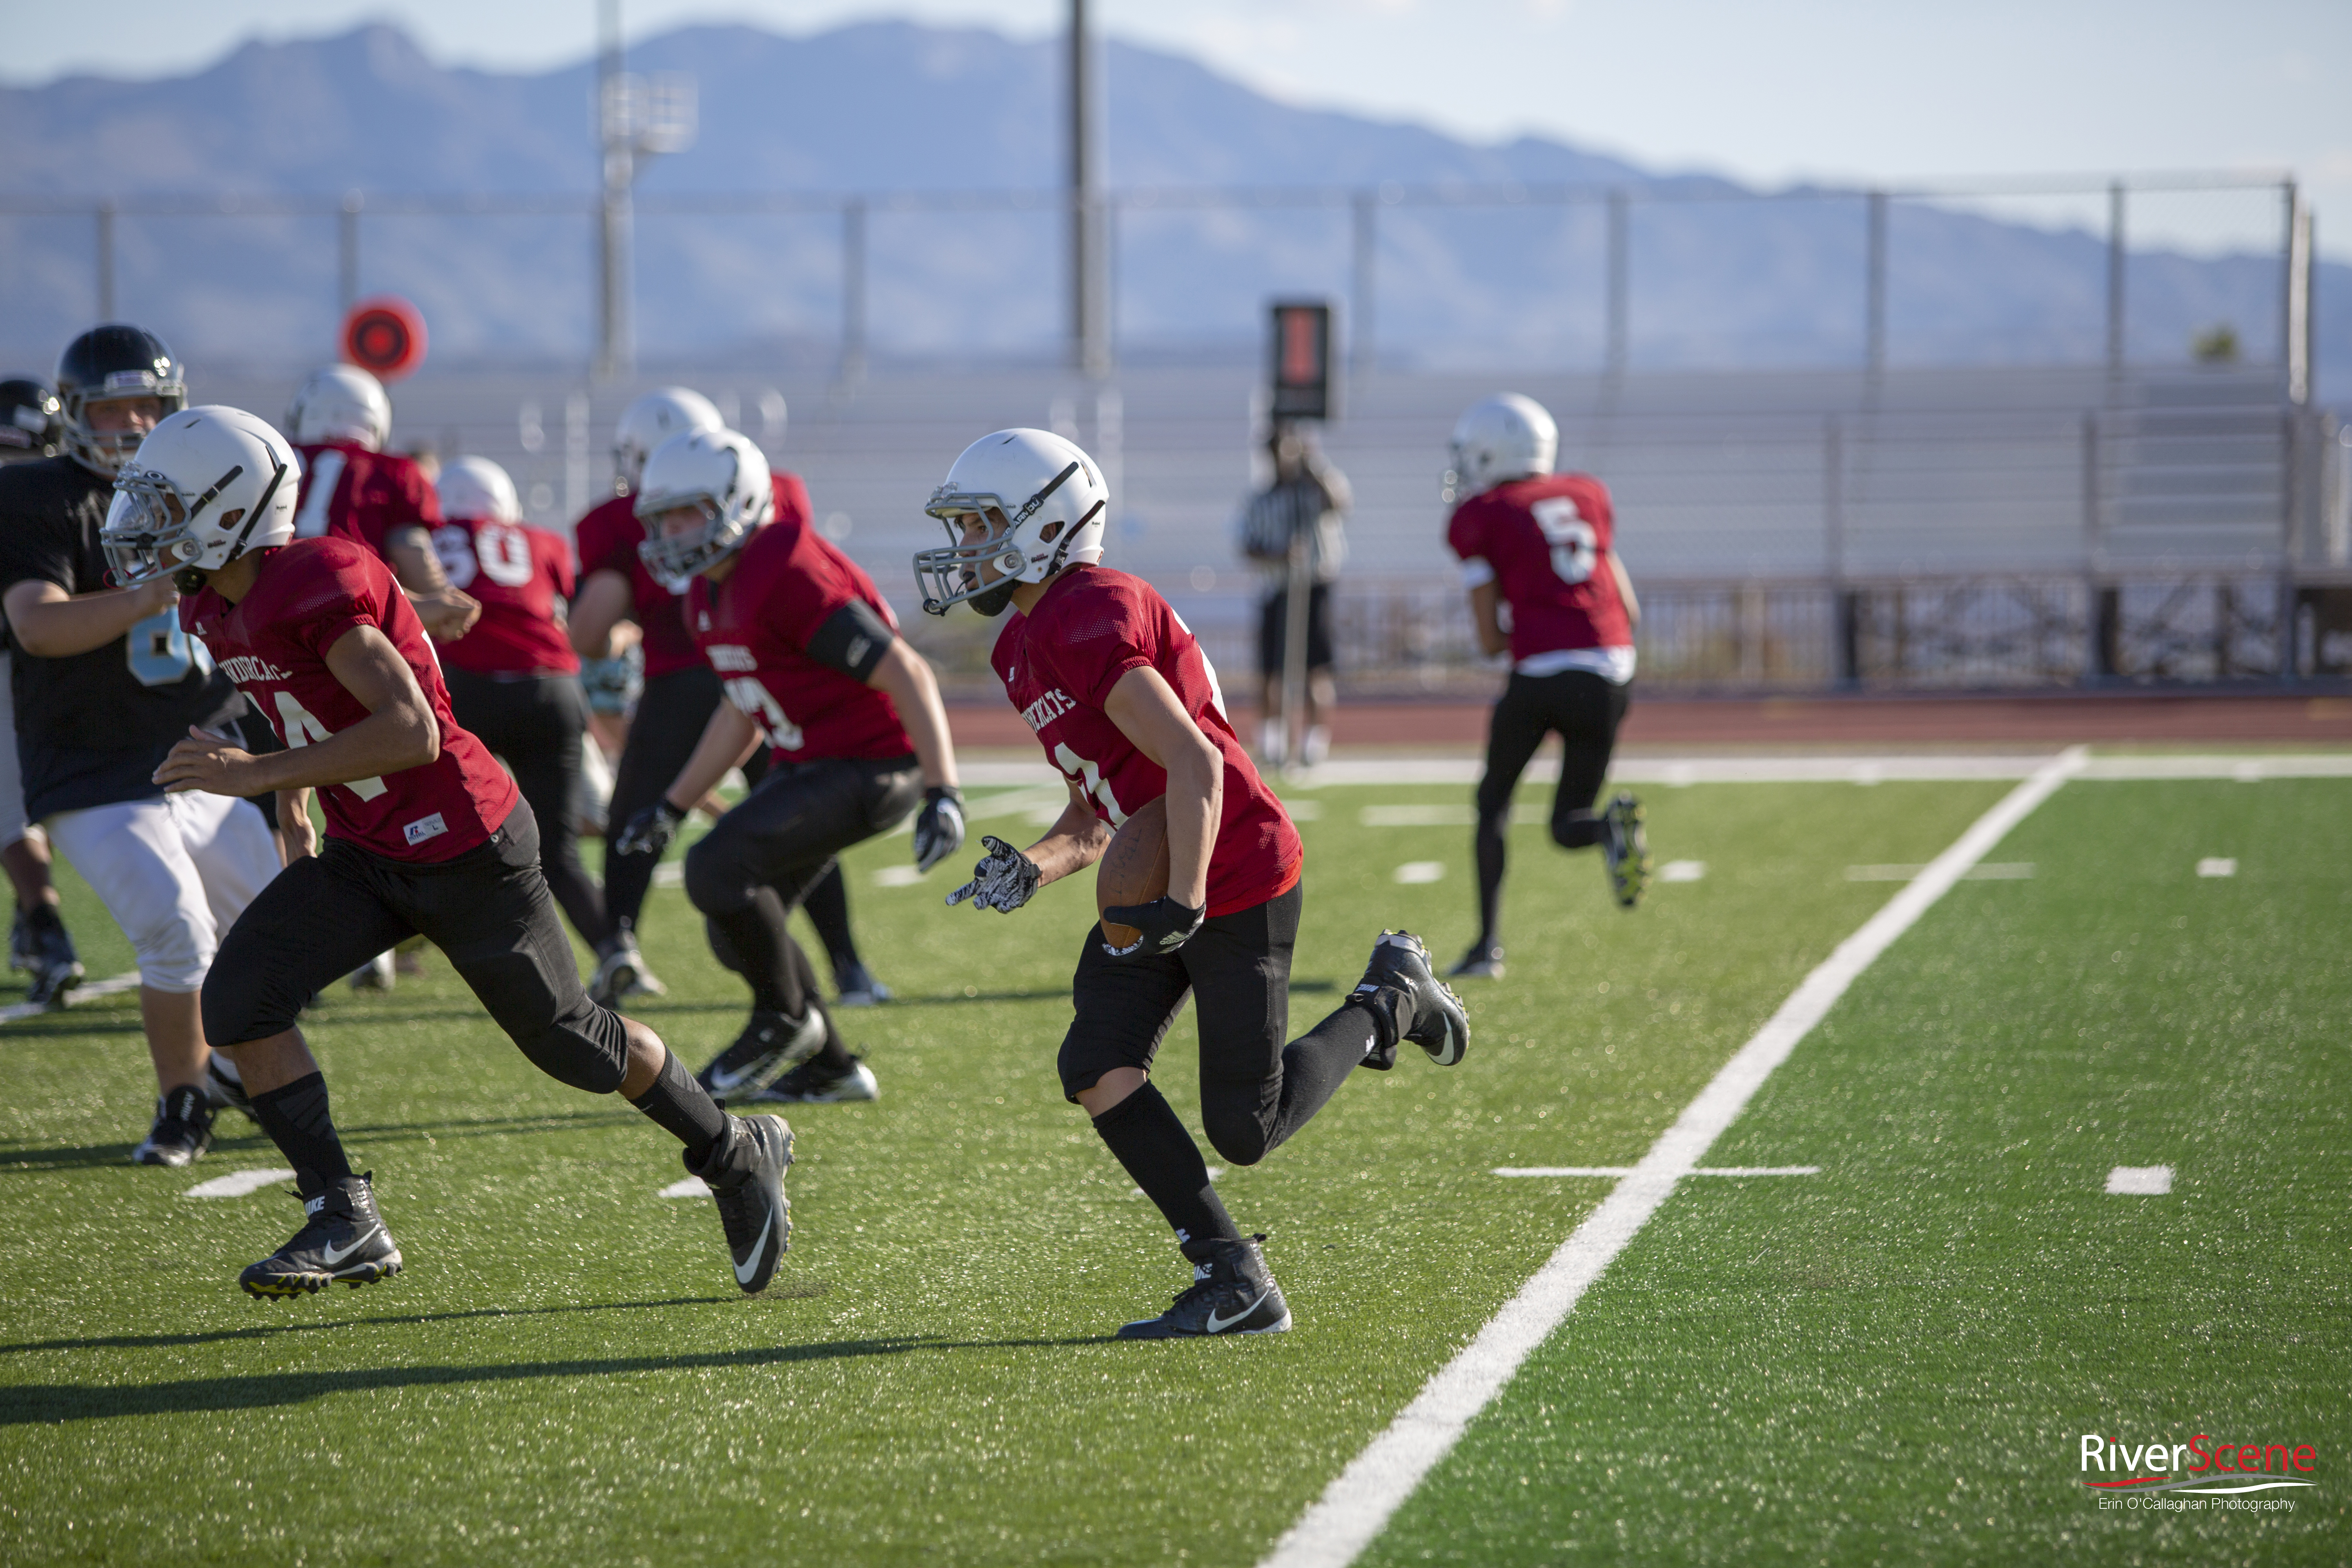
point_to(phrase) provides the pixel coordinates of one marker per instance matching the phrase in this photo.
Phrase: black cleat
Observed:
(343, 1239)
(769, 1044)
(812, 1083)
(1625, 850)
(182, 1129)
(1411, 1003)
(1483, 961)
(1233, 1292)
(56, 966)
(746, 1173)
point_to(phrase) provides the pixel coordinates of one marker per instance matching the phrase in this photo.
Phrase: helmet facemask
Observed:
(952, 576)
(153, 530)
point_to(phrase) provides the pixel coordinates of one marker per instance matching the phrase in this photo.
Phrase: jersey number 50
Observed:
(1575, 549)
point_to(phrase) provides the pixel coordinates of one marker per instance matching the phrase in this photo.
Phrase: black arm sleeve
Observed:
(853, 640)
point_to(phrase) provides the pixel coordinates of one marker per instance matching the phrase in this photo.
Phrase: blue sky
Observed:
(1845, 90)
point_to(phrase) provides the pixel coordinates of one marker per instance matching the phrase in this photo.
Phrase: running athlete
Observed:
(1125, 703)
(1543, 544)
(104, 683)
(514, 681)
(340, 419)
(425, 834)
(681, 690)
(810, 658)
(32, 427)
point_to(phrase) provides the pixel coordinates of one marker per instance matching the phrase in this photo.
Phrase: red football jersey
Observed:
(608, 537)
(1546, 540)
(755, 628)
(354, 493)
(273, 643)
(518, 573)
(1058, 664)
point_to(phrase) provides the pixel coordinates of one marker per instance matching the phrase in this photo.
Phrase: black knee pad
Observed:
(716, 883)
(587, 1048)
(247, 1002)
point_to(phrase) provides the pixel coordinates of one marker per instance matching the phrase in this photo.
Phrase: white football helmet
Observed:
(341, 403)
(1507, 437)
(649, 422)
(477, 488)
(1046, 502)
(721, 472)
(204, 486)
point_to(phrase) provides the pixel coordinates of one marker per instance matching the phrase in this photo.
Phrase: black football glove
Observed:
(1004, 881)
(938, 827)
(1166, 925)
(650, 831)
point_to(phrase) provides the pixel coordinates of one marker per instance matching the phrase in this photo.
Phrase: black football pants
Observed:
(1586, 709)
(487, 909)
(534, 723)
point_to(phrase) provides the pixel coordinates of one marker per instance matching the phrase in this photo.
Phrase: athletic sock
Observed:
(683, 1108)
(1316, 1064)
(1147, 1137)
(295, 1116)
(1490, 845)
(765, 945)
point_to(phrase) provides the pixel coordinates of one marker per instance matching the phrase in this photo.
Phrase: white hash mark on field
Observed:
(89, 991)
(897, 877)
(2141, 1181)
(690, 1187)
(1682, 871)
(1357, 1506)
(2217, 866)
(670, 874)
(1414, 872)
(237, 1184)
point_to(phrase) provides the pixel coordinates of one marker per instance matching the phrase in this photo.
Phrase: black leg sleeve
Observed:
(1145, 1136)
(827, 904)
(547, 771)
(1517, 728)
(670, 721)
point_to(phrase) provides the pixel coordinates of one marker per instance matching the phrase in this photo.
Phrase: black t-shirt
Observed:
(92, 728)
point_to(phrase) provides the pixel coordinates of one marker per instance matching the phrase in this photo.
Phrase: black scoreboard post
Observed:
(1301, 360)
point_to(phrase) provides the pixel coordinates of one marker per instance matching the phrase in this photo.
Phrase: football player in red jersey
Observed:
(426, 835)
(1126, 705)
(1544, 544)
(810, 658)
(681, 690)
(340, 420)
(514, 681)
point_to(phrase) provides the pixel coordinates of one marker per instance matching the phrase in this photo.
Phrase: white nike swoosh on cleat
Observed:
(743, 1271)
(1219, 1325)
(332, 1258)
(723, 1082)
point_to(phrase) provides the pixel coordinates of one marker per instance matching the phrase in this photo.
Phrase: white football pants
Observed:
(174, 873)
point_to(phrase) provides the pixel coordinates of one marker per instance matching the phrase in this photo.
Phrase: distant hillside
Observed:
(894, 106)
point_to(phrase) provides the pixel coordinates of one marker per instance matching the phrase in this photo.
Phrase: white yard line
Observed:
(89, 991)
(1356, 1507)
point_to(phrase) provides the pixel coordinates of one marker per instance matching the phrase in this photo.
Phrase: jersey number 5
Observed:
(298, 726)
(1575, 549)
(746, 692)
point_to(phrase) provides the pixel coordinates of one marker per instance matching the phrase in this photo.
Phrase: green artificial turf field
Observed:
(1859, 1365)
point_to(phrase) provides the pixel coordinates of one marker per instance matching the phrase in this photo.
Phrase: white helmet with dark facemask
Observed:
(1044, 502)
(1507, 437)
(206, 486)
(341, 403)
(721, 474)
(663, 412)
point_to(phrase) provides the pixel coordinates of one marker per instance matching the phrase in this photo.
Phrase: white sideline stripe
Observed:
(691, 1188)
(1628, 1170)
(1991, 871)
(2141, 1181)
(237, 1184)
(1356, 1507)
(89, 991)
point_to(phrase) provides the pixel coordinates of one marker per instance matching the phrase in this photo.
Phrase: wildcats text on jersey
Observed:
(245, 668)
(1047, 709)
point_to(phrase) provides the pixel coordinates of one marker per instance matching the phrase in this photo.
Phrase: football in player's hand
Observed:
(1134, 869)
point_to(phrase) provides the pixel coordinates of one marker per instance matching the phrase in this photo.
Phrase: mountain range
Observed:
(1720, 277)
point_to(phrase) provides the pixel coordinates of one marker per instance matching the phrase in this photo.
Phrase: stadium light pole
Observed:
(1089, 334)
(636, 121)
